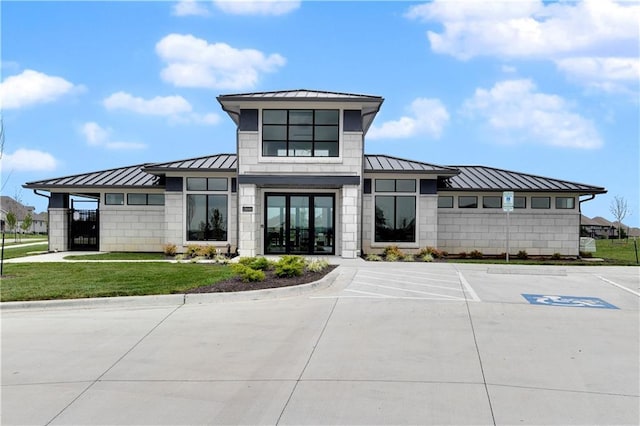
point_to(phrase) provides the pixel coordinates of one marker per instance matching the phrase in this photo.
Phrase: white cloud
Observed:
(516, 110)
(28, 160)
(594, 33)
(160, 105)
(96, 135)
(31, 88)
(260, 7)
(208, 119)
(530, 28)
(607, 74)
(190, 8)
(427, 118)
(193, 62)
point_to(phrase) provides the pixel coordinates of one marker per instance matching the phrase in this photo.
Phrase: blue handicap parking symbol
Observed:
(572, 301)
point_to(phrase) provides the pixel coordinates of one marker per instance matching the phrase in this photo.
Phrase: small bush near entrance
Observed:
(258, 263)
(427, 257)
(434, 252)
(523, 255)
(394, 252)
(556, 256)
(373, 257)
(248, 274)
(290, 266)
(317, 265)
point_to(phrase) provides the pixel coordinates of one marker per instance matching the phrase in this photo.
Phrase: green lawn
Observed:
(43, 281)
(13, 252)
(118, 256)
(618, 250)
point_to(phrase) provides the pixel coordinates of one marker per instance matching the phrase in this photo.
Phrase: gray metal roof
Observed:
(223, 162)
(452, 178)
(123, 177)
(299, 94)
(389, 164)
(481, 178)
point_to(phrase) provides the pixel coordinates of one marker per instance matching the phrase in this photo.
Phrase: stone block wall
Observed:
(132, 228)
(174, 213)
(350, 221)
(58, 229)
(535, 233)
(248, 222)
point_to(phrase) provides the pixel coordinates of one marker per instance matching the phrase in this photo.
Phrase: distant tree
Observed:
(12, 221)
(26, 222)
(619, 210)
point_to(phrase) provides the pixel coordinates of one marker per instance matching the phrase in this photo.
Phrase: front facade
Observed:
(300, 183)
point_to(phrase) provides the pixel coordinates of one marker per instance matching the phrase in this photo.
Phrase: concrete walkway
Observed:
(389, 344)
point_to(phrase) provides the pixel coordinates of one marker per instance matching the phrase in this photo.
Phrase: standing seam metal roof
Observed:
(474, 178)
(299, 94)
(456, 178)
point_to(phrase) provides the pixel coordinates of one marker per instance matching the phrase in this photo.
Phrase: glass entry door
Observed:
(299, 224)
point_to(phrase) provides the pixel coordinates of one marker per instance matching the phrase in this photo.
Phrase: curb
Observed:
(177, 299)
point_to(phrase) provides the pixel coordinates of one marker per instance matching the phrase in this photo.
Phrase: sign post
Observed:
(507, 206)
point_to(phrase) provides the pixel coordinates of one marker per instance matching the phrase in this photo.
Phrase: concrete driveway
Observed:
(385, 344)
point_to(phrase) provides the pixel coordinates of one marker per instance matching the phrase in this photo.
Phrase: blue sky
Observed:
(550, 89)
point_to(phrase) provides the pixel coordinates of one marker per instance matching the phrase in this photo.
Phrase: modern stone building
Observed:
(300, 183)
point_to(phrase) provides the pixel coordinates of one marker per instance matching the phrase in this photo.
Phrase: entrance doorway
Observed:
(83, 230)
(299, 224)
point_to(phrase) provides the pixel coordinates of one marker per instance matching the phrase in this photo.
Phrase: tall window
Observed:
(395, 215)
(300, 133)
(207, 210)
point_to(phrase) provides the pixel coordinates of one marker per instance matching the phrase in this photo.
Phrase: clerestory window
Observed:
(300, 133)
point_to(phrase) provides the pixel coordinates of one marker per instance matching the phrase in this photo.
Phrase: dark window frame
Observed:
(146, 199)
(538, 207)
(519, 202)
(445, 197)
(487, 198)
(395, 185)
(473, 205)
(289, 141)
(560, 199)
(208, 233)
(106, 198)
(410, 229)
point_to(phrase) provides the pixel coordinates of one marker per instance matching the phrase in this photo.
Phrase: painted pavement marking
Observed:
(568, 301)
(618, 285)
(405, 285)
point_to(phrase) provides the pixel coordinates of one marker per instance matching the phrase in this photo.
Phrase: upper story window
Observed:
(300, 132)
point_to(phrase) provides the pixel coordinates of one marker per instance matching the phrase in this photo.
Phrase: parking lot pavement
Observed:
(484, 354)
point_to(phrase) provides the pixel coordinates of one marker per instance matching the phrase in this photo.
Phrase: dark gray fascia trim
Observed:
(434, 173)
(299, 180)
(516, 190)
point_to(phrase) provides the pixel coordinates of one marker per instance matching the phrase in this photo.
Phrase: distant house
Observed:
(38, 220)
(301, 183)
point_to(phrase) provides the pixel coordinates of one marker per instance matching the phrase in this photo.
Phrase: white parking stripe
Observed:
(412, 291)
(413, 283)
(381, 296)
(413, 275)
(618, 285)
(468, 288)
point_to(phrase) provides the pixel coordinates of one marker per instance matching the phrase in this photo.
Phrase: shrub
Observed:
(247, 274)
(259, 263)
(586, 254)
(169, 249)
(434, 252)
(317, 265)
(392, 257)
(462, 255)
(393, 251)
(427, 257)
(373, 258)
(523, 255)
(556, 256)
(290, 266)
(193, 250)
(409, 258)
(208, 252)
(476, 254)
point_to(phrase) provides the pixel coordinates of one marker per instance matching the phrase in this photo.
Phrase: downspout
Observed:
(580, 221)
(35, 191)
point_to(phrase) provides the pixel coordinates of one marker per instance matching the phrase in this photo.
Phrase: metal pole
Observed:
(635, 245)
(2, 257)
(507, 237)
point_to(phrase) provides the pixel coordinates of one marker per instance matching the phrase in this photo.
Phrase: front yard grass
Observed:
(13, 252)
(619, 250)
(47, 281)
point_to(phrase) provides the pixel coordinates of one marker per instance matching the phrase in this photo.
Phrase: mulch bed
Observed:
(271, 281)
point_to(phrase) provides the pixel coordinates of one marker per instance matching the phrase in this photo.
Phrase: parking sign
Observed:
(507, 201)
